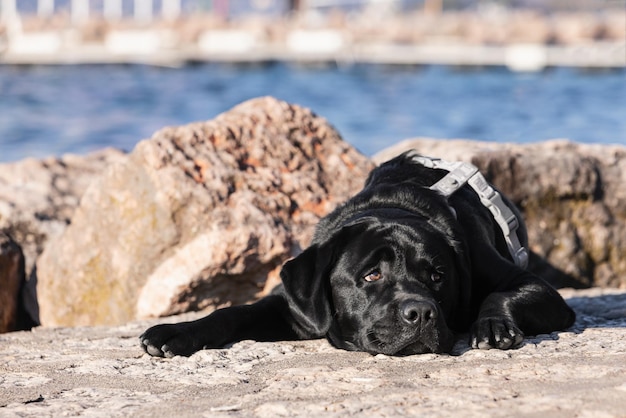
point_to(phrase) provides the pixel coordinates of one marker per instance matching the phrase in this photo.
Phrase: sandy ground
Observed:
(102, 371)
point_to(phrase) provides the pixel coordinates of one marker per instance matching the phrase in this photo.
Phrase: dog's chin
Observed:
(441, 342)
(422, 348)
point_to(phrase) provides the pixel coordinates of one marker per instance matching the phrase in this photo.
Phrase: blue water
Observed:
(51, 110)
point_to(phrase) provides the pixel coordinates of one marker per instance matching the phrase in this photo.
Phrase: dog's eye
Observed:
(435, 276)
(373, 276)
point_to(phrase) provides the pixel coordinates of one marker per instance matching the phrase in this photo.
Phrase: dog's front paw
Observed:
(169, 340)
(495, 332)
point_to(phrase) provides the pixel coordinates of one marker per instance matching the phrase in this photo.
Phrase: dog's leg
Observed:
(266, 320)
(520, 303)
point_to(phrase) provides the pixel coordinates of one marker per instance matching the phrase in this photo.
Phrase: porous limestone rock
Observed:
(572, 196)
(198, 216)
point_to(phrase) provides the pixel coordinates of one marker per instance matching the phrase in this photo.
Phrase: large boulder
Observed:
(198, 216)
(37, 200)
(572, 196)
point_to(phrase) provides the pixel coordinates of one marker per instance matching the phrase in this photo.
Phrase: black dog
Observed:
(399, 269)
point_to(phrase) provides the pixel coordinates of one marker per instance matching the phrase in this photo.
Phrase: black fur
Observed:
(398, 269)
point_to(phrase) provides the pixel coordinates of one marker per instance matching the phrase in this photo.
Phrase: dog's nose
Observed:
(414, 312)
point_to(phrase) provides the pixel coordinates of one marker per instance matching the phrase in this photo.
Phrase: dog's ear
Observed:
(306, 283)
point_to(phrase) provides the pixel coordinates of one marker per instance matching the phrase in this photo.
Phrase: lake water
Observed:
(51, 110)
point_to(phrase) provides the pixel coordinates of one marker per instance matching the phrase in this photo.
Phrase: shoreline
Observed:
(520, 57)
(522, 41)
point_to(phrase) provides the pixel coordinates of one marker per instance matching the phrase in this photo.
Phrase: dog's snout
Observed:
(414, 312)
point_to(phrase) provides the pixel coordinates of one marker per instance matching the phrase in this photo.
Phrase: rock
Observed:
(11, 280)
(37, 200)
(198, 216)
(102, 371)
(572, 197)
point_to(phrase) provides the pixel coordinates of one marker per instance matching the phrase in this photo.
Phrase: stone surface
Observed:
(11, 280)
(37, 200)
(101, 371)
(572, 196)
(198, 216)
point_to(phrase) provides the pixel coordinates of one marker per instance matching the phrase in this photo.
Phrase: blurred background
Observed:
(79, 75)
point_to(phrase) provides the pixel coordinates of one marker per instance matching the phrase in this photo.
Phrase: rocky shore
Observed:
(202, 216)
(523, 40)
(376, 23)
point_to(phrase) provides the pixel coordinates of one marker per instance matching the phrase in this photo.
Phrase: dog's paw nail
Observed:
(167, 352)
(153, 351)
(484, 345)
(505, 343)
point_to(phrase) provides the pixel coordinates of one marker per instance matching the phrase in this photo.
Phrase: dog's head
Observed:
(387, 282)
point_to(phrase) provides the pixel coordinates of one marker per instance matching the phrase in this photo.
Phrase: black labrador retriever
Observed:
(399, 269)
